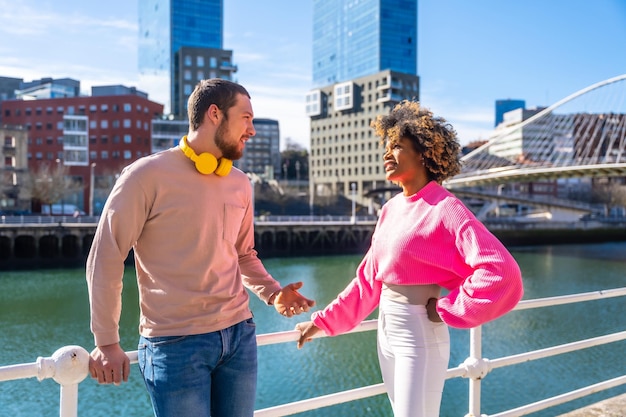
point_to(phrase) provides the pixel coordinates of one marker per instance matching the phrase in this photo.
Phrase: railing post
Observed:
(476, 368)
(68, 366)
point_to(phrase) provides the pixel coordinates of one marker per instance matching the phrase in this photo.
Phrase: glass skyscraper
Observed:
(354, 38)
(166, 26)
(364, 63)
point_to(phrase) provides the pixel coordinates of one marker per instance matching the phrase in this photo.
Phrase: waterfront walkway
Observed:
(612, 407)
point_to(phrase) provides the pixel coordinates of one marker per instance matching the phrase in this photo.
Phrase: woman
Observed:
(425, 240)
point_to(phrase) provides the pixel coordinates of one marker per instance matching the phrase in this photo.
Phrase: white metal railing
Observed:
(69, 365)
(47, 219)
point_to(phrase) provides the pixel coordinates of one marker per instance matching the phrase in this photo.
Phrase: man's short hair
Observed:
(222, 93)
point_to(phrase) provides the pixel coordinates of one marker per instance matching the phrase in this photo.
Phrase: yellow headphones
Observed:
(206, 163)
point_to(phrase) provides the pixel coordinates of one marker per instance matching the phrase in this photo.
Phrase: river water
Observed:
(43, 310)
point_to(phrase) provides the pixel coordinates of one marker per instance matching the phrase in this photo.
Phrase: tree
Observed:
(50, 184)
(610, 193)
(295, 163)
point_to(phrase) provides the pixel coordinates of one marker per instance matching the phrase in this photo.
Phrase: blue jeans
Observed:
(206, 375)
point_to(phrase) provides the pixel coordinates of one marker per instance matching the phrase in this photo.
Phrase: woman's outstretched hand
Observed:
(307, 330)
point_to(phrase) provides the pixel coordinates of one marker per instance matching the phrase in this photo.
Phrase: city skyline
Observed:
(470, 54)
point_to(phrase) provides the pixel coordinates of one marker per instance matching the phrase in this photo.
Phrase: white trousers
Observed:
(413, 353)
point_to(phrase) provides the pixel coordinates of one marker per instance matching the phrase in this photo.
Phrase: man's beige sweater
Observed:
(193, 242)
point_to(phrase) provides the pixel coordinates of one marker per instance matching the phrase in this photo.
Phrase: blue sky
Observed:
(470, 52)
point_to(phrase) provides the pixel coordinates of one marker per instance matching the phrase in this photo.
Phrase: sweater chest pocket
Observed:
(233, 218)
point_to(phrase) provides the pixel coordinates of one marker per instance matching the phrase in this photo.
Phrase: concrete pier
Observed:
(611, 407)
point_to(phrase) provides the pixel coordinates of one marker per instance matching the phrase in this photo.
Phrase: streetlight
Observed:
(499, 193)
(353, 188)
(62, 178)
(311, 194)
(91, 188)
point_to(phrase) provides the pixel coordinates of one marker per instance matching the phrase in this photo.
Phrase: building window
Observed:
(187, 60)
(128, 155)
(127, 123)
(127, 107)
(200, 61)
(104, 124)
(343, 96)
(127, 139)
(313, 101)
(104, 155)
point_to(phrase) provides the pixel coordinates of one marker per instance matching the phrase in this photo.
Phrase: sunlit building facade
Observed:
(364, 63)
(166, 28)
(87, 135)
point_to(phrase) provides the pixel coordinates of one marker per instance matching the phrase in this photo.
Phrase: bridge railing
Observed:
(36, 219)
(68, 366)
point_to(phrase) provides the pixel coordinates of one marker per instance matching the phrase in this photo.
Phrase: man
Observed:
(189, 220)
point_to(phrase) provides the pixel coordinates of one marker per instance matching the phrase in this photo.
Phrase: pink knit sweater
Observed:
(430, 238)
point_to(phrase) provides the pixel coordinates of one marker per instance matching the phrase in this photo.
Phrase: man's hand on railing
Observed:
(289, 302)
(307, 330)
(109, 364)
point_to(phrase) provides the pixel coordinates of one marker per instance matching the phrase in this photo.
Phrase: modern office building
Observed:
(193, 64)
(352, 39)
(89, 135)
(364, 63)
(261, 155)
(166, 133)
(8, 87)
(506, 105)
(166, 27)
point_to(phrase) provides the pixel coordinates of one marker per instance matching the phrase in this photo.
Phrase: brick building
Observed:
(90, 136)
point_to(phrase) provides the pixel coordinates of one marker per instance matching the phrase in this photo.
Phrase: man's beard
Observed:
(229, 150)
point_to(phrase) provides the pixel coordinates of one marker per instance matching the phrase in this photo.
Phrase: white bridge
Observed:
(582, 135)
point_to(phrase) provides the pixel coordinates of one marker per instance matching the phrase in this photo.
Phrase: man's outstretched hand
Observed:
(289, 302)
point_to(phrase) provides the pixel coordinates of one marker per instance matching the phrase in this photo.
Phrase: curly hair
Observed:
(433, 137)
